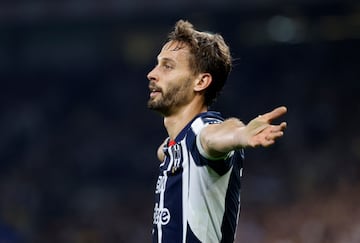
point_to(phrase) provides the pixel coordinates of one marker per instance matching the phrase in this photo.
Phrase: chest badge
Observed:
(177, 158)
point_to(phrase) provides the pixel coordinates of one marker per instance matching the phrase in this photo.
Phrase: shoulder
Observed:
(204, 119)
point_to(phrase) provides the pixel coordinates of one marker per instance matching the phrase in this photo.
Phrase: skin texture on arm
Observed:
(219, 139)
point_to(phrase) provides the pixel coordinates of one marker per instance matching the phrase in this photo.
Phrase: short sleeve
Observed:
(203, 152)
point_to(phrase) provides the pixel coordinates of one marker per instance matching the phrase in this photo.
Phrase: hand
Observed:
(259, 131)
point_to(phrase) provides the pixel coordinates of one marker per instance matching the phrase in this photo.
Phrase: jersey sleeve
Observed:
(219, 164)
(205, 154)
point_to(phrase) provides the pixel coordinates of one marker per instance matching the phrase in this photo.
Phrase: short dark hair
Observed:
(210, 54)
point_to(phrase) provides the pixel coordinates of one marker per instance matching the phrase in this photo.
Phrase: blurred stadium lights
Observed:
(326, 28)
(64, 34)
(284, 29)
(38, 9)
(298, 29)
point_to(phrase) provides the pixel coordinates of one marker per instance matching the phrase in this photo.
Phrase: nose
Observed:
(152, 76)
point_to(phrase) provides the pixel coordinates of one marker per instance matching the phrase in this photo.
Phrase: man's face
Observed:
(171, 80)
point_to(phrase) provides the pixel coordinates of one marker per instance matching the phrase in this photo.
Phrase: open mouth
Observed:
(154, 91)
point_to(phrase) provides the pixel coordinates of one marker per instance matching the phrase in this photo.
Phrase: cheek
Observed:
(178, 83)
(182, 91)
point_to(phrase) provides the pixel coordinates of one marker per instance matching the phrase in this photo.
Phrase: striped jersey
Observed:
(197, 198)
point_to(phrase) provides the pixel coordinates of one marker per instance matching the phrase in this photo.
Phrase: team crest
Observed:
(177, 158)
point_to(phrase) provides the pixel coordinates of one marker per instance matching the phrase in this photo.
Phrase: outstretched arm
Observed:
(219, 139)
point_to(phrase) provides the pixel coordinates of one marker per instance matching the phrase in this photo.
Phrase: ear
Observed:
(203, 81)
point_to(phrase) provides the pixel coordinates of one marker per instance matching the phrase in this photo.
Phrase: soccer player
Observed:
(197, 195)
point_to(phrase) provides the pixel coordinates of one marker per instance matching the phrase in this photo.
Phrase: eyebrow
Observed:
(178, 47)
(166, 59)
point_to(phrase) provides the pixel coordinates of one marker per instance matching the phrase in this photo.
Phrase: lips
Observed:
(154, 91)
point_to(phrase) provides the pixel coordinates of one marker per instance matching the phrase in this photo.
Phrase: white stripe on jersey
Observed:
(197, 125)
(162, 193)
(185, 186)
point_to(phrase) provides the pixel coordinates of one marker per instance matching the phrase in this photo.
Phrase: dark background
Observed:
(77, 143)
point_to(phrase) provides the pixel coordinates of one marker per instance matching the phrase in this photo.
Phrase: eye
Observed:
(167, 66)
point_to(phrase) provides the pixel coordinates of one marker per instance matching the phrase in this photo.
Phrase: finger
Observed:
(267, 143)
(264, 142)
(274, 135)
(277, 112)
(281, 127)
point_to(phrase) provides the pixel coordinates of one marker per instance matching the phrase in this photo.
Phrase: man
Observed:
(197, 196)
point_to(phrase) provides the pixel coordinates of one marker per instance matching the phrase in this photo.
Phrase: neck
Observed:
(175, 122)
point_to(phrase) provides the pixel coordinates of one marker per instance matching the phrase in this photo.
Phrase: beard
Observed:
(167, 102)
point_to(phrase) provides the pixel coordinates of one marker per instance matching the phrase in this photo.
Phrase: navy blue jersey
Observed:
(197, 198)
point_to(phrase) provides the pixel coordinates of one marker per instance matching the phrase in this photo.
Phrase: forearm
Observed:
(220, 139)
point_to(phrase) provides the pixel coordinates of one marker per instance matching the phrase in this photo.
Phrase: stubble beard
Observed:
(169, 101)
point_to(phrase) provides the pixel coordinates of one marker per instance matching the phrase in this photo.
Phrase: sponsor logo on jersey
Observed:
(160, 184)
(161, 215)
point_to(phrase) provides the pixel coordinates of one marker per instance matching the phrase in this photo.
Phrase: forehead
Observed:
(176, 51)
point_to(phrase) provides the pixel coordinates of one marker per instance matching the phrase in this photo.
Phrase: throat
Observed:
(180, 117)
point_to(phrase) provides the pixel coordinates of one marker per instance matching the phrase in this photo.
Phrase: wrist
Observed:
(241, 139)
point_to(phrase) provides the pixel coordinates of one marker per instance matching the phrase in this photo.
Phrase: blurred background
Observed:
(77, 143)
